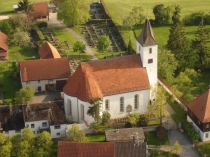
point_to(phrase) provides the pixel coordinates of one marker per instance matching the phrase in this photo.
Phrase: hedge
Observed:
(39, 33)
(192, 134)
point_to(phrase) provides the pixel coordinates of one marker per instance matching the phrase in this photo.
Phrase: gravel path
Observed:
(55, 23)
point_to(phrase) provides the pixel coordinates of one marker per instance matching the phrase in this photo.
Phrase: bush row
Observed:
(192, 134)
(196, 18)
(39, 33)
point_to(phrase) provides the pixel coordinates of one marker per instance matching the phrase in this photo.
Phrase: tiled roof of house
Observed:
(51, 111)
(107, 77)
(40, 9)
(130, 149)
(3, 44)
(48, 51)
(44, 69)
(11, 117)
(146, 38)
(201, 107)
(126, 134)
(93, 149)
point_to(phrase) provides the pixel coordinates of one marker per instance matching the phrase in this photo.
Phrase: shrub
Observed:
(143, 120)
(195, 19)
(192, 134)
(39, 33)
(42, 24)
(128, 125)
(105, 118)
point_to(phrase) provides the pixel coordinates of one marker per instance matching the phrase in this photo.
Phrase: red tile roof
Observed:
(48, 51)
(40, 9)
(3, 45)
(107, 77)
(44, 69)
(72, 149)
(201, 107)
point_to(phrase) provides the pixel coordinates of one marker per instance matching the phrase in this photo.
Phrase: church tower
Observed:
(147, 47)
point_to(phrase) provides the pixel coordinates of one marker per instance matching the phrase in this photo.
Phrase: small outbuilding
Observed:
(161, 131)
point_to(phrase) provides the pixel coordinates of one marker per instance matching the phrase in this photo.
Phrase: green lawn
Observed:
(8, 84)
(180, 114)
(6, 6)
(152, 139)
(153, 123)
(102, 55)
(119, 9)
(205, 149)
(95, 138)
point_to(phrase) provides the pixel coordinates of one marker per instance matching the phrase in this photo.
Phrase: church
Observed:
(124, 83)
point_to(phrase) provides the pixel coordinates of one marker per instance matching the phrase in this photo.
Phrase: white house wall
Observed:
(57, 133)
(37, 126)
(42, 83)
(114, 101)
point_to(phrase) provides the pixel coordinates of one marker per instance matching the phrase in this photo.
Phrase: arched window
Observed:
(70, 107)
(107, 104)
(136, 101)
(121, 104)
(82, 111)
(150, 50)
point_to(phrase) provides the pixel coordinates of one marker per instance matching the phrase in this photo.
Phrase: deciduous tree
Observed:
(104, 43)
(143, 120)
(177, 147)
(22, 39)
(5, 146)
(73, 12)
(79, 46)
(133, 118)
(24, 95)
(76, 133)
(105, 117)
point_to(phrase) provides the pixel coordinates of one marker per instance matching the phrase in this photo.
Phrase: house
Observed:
(47, 116)
(11, 119)
(48, 51)
(123, 83)
(3, 45)
(198, 113)
(93, 149)
(102, 149)
(45, 74)
(126, 134)
(40, 10)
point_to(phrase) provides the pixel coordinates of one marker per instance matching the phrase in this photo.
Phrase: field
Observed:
(119, 9)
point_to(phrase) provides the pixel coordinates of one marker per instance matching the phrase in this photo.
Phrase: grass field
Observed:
(6, 6)
(119, 9)
(151, 139)
(95, 138)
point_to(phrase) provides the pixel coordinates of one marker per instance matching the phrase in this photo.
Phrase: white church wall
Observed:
(114, 103)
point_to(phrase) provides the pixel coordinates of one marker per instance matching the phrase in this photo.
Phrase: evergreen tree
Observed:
(129, 47)
(202, 36)
(177, 42)
(94, 109)
(25, 5)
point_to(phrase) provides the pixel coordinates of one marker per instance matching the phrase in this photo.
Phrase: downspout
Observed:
(78, 110)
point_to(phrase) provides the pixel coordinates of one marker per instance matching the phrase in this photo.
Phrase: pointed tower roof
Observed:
(201, 107)
(146, 38)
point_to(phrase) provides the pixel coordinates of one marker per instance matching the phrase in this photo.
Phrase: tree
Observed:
(28, 135)
(138, 14)
(105, 117)
(143, 120)
(177, 42)
(133, 118)
(167, 65)
(177, 147)
(162, 14)
(23, 149)
(130, 49)
(79, 46)
(202, 36)
(103, 43)
(94, 109)
(73, 12)
(45, 140)
(76, 133)
(24, 95)
(6, 27)
(22, 39)
(25, 5)
(5, 146)
(94, 126)
(26, 23)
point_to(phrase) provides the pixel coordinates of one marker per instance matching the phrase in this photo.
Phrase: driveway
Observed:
(187, 146)
(45, 97)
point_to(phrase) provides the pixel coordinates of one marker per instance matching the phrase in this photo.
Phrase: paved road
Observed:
(55, 23)
(186, 144)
